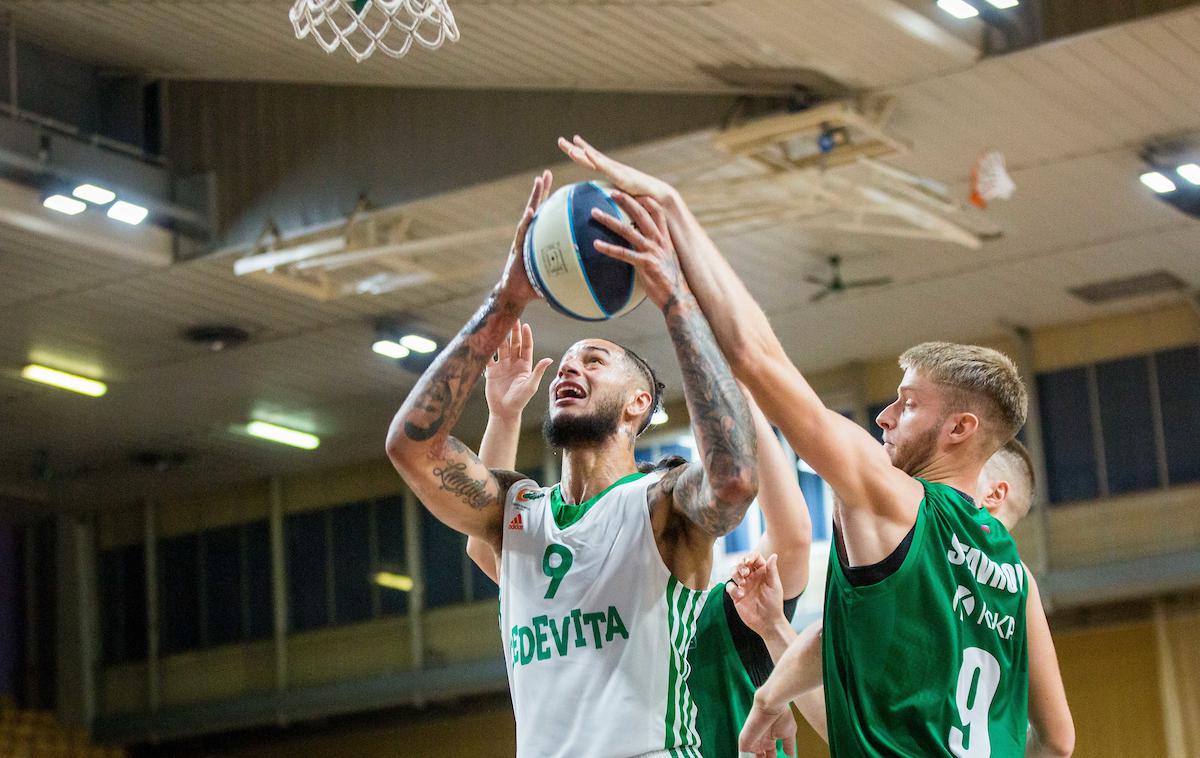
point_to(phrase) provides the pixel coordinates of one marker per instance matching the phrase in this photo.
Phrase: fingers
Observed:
(514, 340)
(789, 746)
(772, 564)
(538, 371)
(658, 213)
(547, 186)
(632, 257)
(526, 351)
(576, 153)
(641, 217)
(624, 229)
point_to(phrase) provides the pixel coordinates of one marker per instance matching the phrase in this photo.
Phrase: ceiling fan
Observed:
(836, 284)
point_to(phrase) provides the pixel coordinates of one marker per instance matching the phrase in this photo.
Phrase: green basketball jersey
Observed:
(718, 681)
(932, 660)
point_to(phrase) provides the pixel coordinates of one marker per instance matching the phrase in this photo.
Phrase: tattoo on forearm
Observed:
(435, 403)
(721, 422)
(457, 479)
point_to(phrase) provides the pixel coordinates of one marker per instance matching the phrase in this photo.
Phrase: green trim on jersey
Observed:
(684, 606)
(931, 661)
(566, 514)
(723, 689)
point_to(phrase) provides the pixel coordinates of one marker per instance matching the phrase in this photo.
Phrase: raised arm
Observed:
(446, 476)
(842, 453)
(789, 528)
(1051, 729)
(711, 497)
(510, 382)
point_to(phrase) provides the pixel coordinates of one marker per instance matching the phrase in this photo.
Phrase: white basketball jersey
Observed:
(595, 628)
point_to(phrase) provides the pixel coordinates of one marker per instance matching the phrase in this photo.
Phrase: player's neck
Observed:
(952, 471)
(587, 471)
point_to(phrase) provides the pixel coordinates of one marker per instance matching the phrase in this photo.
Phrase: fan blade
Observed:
(820, 296)
(816, 281)
(878, 282)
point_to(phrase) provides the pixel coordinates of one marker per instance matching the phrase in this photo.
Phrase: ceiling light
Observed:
(1190, 171)
(128, 212)
(958, 8)
(63, 380)
(659, 418)
(64, 204)
(1004, 4)
(94, 194)
(394, 581)
(282, 435)
(1158, 182)
(390, 349)
(418, 344)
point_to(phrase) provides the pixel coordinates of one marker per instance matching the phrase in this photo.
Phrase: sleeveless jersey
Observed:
(595, 627)
(932, 660)
(719, 682)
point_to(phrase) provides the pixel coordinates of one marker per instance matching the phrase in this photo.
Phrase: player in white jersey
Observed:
(602, 577)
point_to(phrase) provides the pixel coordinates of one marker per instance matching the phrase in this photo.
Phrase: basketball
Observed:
(563, 263)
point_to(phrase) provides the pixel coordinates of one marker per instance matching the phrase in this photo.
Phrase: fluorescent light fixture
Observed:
(958, 8)
(282, 435)
(127, 212)
(64, 204)
(1004, 4)
(61, 379)
(418, 344)
(394, 581)
(94, 194)
(390, 349)
(1190, 171)
(1158, 182)
(659, 418)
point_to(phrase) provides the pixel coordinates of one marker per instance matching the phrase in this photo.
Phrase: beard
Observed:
(913, 455)
(572, 431)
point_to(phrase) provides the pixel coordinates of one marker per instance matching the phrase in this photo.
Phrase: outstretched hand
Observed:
(515, 281)
(757, 592)
(766, 725)
(511, 378)
(625, 178)
(651, 251)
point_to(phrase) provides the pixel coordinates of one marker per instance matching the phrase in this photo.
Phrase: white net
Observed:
(364, 26)
(990, 180)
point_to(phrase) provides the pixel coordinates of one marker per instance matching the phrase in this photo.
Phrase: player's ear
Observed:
(963, 426)
(995, 497)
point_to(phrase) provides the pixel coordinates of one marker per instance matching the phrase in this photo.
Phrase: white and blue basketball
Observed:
(563, 263)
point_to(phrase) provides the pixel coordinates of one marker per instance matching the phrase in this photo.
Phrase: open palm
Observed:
(511, 377)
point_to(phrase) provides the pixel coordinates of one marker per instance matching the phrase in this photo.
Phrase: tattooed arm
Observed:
(712, 497)
(446, 476)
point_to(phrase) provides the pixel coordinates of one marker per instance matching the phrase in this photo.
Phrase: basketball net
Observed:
(990, 180)
(364, 26)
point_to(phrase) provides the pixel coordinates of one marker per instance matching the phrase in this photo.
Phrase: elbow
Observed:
(1063, 746)
(397, 445)
(737, 489)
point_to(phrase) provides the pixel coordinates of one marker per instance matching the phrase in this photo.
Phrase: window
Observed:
(1127, 420)
(352, 585)
(307, 570)
(259, 621)
(1179, 395)
(442, 548)
(178, 593)
(389, 529)
(223, 586)
(1067, 435)
(122, 592)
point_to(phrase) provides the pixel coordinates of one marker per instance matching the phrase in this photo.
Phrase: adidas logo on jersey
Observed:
(517, 524)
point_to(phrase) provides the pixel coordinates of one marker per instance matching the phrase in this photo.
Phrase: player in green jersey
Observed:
(925, 643)
(1005, 489)
(736, 641)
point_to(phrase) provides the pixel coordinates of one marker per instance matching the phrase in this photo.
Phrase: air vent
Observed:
(780, 80)
(1151, 283)
(217, 337)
